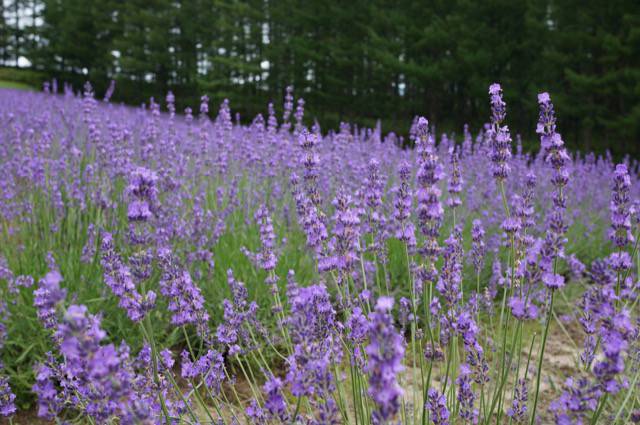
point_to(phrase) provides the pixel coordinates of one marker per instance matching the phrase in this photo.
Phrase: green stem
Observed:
(541, 357)
(154, 365)
(598, 412)
(632, 388)
(295, 414)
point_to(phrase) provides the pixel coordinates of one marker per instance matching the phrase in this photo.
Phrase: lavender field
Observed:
(161, 266)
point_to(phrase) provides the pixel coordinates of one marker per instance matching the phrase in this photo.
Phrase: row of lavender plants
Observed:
(162, 268)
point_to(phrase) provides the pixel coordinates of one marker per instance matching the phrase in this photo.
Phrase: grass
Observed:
(4, 84)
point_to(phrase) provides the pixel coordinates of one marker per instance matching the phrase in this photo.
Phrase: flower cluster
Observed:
(312, 327)
(47, 297)
(499, 135)
(555, 154)
(430, 212)
(118, 277)
(144, 194)
(185, 298)
(239, 318)
(621, 211)
(385, 353)
(168, 204)
(405, 230)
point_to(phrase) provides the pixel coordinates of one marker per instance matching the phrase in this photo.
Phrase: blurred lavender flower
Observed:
(437, 405)
(310, 161)
(576, 266)
(47, 297)
(478, 248)
(287, 109)
(50, 402)
(518, 410)
(275, 402)
(523, 308)
(576, 404)
(614, 334)
(144, 194)
(466, 396)
(7, 398)
(385, 353)
(90, 247)
(456, 181)
(358, 328)
(267, 258)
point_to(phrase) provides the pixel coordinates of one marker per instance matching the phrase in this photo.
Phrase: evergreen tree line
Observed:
(356, 60)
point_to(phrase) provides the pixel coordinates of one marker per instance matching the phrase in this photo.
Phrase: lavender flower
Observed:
(346, 236)
(576, 266)
(576, 403)
(518, 409)
(615, 334)
(89, 248)
(288, 108)
(275, 402)
(430, 212)
(478, 248)
(299, 115)
(455, 182)
(50, 402)
(256, 413)
(450, 279)
(209, 368)
(310, 161)
(96, 379)
(405, 230)
(620, 232)
(267, 258)
(118, 277)
(499, 135)
(437, 405)
(171, 104)
(554, 153)
(522, 308)
(239, 316)
(312, 222)
(375, 219)
(312, 329)
(144, 193)
(7, 398)
(47, 297)
(553, 281)
(185, 299)
(466, 396)
(358, 328)
(385, 353)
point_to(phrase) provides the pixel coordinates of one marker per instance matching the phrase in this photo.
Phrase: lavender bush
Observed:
(160, 268)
